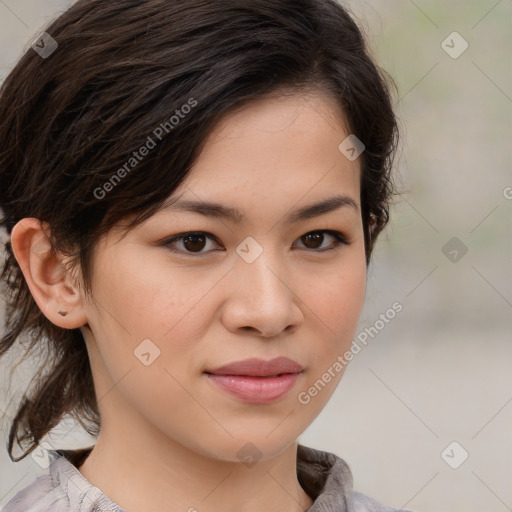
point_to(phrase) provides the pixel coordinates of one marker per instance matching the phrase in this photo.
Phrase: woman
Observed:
(192, 190)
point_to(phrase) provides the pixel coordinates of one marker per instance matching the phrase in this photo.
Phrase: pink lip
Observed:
(259, 367)
(257, 380)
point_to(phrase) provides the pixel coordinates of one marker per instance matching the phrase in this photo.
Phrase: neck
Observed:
(142, 472)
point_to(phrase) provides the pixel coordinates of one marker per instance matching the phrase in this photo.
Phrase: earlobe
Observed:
(46, 276)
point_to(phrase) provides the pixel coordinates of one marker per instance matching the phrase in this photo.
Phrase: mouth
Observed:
(259, 367)
(255, 380)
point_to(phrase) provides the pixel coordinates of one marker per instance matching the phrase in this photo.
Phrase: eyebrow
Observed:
(235, 215)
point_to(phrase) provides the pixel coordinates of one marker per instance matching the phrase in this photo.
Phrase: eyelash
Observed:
(339, 237)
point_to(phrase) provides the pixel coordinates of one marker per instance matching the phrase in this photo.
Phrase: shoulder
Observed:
(40, 496)
(363, 503)
(328, 479)
(62, 489)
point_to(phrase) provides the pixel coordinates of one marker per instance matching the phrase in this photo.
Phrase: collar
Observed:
(326, 478)
(323, 475)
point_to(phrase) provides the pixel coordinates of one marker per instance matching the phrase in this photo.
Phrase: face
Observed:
(166, 311)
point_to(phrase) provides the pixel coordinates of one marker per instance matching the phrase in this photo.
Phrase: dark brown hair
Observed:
(71, 120)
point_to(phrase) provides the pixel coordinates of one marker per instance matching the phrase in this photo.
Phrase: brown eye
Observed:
(191, 243)
(314, 240)
(194, 243)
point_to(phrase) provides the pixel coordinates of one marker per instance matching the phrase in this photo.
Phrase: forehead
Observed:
(273, 161)
(276, 150)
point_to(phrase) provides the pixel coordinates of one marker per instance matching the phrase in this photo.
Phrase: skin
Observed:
(166, 429)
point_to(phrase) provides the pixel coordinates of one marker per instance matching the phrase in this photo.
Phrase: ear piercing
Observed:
(63, 313)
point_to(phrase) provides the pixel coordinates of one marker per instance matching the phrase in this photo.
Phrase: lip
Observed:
(256, 380)
(259, 367)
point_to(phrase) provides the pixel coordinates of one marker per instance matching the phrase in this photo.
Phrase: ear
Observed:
(51, 286)
(373, 224)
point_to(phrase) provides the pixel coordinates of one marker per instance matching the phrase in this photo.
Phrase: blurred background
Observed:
(423, 414)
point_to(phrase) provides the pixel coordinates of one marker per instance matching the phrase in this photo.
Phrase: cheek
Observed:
(337, 299)
(336, 308)
(136, 299)
(146, 295)
(345, 300)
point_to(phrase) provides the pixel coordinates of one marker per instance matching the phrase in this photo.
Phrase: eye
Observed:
(194, 242)
(315, 238)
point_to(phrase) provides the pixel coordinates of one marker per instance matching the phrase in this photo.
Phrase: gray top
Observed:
(323, 475)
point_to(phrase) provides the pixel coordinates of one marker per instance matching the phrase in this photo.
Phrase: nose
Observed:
(262, 298)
